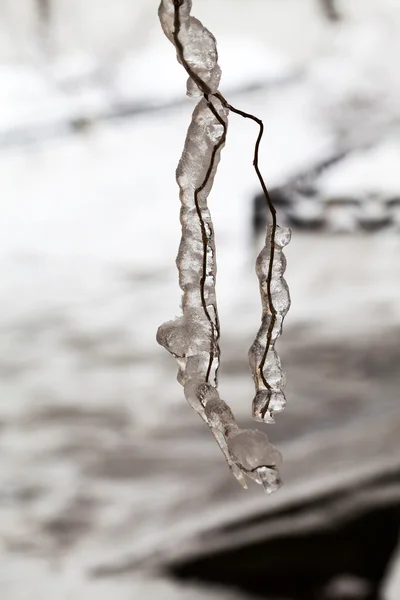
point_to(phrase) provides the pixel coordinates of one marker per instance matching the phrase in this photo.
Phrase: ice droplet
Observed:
(173, 336)
(200, 391)
(266, 403)
(283, 235)
(270, 479)
(197, 365)
(251, 450)
(220, 416)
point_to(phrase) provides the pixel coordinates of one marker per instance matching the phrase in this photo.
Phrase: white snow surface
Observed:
(88, 236)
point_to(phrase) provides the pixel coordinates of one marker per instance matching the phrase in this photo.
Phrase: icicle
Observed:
(193, 338)
(264, 361)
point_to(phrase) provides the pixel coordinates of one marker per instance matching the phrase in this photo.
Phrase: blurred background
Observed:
(110, 485)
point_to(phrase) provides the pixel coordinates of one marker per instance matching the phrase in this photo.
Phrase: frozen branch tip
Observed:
(193, 338)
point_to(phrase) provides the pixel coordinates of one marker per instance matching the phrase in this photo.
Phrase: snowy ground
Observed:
(102, 461)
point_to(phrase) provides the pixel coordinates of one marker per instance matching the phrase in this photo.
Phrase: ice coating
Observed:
(197, 48)
(193, 338)
(264, 361)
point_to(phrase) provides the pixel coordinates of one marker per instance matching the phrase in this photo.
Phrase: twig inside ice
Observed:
(193, 338)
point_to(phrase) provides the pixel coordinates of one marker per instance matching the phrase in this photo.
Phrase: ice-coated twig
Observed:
(193, 338)
(264, 361)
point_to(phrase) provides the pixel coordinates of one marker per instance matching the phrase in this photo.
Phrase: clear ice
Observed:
(264, 361)
(193, 338)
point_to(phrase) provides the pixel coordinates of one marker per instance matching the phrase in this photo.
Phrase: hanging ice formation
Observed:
(193, 338)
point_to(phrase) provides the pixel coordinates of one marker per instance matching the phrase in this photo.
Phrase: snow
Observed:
(391, 586)
(88, 237)
(48, 582)
(361, 78)
(365, 173)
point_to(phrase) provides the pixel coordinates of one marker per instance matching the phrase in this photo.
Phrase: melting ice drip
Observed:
(193, 338)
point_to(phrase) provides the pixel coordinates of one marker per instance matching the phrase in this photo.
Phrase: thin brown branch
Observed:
(207, 92)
